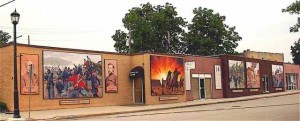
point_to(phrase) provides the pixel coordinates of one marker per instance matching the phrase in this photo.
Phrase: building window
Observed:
(291, 81)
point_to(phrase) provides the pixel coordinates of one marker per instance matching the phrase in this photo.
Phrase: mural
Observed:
(253, 77)
(167, 76)
(277, 74)
(26, 78)
(218, 76)
(111, 76)
(236, 74)
(72, 75)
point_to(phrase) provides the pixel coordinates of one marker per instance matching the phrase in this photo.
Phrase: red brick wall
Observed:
(265, 68)
(205, 65)
(291, 68)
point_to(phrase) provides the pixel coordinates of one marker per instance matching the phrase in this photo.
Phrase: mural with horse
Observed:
(167, 76)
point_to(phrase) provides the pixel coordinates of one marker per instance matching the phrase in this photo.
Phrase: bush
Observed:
(3, 107)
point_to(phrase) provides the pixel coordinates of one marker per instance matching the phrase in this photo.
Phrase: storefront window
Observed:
(291, 81)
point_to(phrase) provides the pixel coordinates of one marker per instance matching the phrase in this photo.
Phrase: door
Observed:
(202, 89)
(138, 91)
(195, 88)
(265, 80)
(208, 88)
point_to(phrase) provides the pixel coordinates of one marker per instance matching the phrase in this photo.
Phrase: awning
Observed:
(137, 72)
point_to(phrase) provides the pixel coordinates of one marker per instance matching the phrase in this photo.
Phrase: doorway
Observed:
(138, 85)
(202, 89)
(138, 91)
(266, 83)
(208, 88)
(195, 88)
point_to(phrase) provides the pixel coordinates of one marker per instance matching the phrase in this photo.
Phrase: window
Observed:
(291, 81)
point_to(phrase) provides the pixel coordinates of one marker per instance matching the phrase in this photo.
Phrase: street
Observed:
(280, 108)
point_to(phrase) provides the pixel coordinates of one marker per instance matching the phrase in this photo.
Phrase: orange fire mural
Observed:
(167, 75)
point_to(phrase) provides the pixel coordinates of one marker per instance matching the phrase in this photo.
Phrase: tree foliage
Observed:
(208, 35)
(120, 38)
(294, 8)
(296, 52)
(152, 28)
(149, 27)
(4, 37)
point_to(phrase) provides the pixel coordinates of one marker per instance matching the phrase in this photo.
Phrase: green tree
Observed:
(296, 52)
(208, 35)
(4, 37)
(150, 28)
(120, 40)
(294, 8)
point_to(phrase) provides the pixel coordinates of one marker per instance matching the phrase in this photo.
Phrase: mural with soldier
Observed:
(236, 74)
(72, 75)
(167, 76)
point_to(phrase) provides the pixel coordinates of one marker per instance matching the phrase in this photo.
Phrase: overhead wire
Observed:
(49, 31)
(52, 30)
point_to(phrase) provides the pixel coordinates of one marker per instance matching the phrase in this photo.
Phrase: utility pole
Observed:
(129, 40)
(28, 40)
(169, 42)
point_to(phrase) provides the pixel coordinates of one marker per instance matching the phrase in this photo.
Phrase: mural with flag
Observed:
(167, 76)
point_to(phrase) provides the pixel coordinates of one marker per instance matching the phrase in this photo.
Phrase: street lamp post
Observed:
(15, 20)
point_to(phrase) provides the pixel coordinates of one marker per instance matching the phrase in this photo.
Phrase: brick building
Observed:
(291, 74)
(50, 89)
(59, 78)
(204, 81)
(248, 76)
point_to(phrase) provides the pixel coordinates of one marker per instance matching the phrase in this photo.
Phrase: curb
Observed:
(166, 108)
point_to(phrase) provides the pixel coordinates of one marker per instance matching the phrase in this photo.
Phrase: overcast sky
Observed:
(89, 24)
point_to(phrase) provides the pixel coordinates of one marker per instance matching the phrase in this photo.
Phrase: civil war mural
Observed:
(111, 76)
(29, 77)
(236, 74)
(72, 75)
(167, 75)
(253, 77)
(277, 74)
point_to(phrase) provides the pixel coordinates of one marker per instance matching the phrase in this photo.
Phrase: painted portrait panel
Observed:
(218, 77)
(72, 75)
(29, 81)
(253, 77)
(277, 74)
(167, 76)
(111, 76)
(236, 74)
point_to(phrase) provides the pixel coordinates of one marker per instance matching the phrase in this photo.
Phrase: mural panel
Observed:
(111, 76)
(253, 77)
(72, 75)
(26, 78)
(218, 77)
(277, 74)
(167, 76)
(236, 74)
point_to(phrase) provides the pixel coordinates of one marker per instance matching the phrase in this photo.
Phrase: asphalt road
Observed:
(282, 108)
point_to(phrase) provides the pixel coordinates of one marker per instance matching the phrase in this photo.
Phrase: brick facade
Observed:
(124, 96)
(126, 62)
(205, 65)
(265, 69)
(292, 69)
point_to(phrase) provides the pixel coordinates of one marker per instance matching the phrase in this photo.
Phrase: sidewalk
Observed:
(110, 110)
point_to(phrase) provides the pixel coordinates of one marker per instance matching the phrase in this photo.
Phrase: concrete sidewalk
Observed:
(110, 110)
